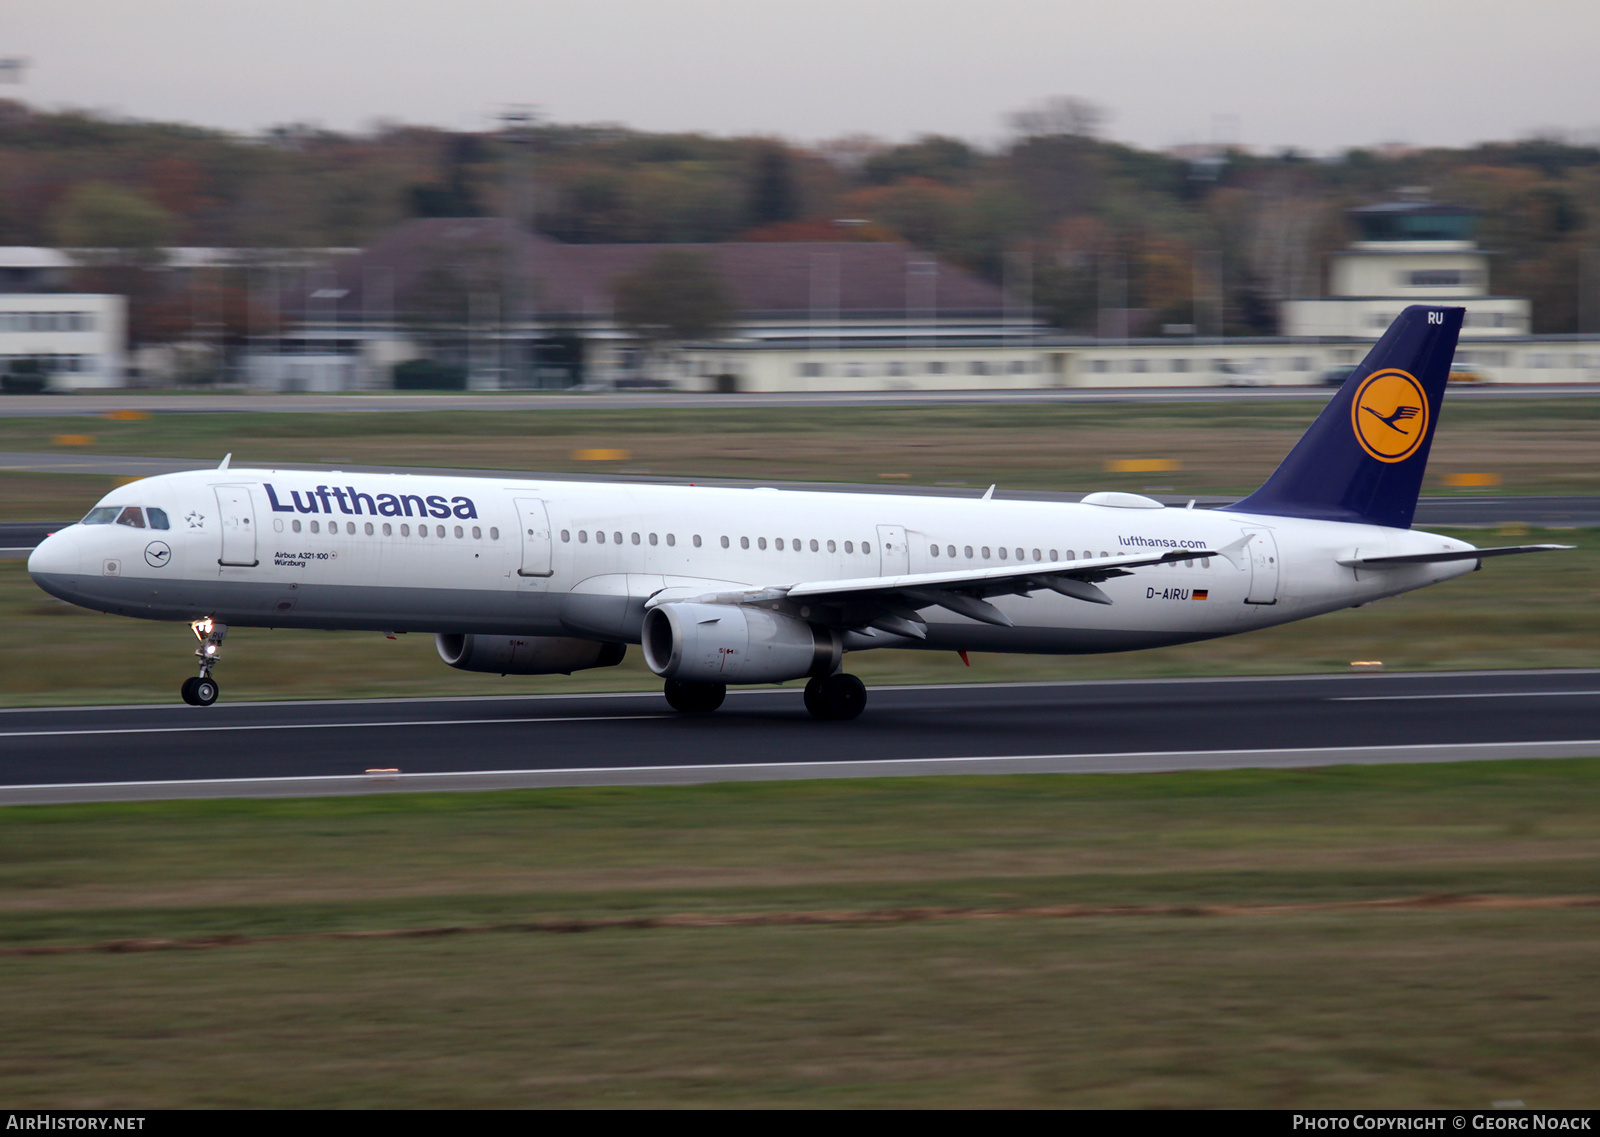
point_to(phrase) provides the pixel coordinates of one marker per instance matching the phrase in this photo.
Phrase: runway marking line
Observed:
(318, 725)
(1481, 695)
(1431, 903)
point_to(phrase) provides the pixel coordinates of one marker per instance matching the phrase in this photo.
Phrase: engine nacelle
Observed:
(724, 643)
(526, 655)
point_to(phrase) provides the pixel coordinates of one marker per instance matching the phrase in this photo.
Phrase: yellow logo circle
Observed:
(1390, 415)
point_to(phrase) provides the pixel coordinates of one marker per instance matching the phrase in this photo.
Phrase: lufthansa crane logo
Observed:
(1390, 415)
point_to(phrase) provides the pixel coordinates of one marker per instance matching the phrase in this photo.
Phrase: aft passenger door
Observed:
(1263, 553)
(533, 520)
(238, 514)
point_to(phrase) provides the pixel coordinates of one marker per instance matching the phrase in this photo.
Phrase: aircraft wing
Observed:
(891, 603)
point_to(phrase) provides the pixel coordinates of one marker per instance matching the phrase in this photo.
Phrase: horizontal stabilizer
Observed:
(1456, 555)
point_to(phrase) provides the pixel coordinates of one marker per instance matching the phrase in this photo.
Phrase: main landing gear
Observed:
(832, 698)
(836, 698)
(691, 697)
(202, 690)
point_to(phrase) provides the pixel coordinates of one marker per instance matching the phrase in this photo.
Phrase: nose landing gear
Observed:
(202, 690)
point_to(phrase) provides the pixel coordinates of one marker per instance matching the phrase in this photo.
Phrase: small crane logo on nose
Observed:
(157, 554)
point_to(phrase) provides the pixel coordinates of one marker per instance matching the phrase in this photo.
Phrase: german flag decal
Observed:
(1202, 594)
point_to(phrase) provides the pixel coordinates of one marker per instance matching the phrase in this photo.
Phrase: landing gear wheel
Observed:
(695, 698)
(836, 698)
(200, 691)
(814, 695)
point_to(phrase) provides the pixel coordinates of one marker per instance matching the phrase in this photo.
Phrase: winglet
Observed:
(988, 493)
(226, 459)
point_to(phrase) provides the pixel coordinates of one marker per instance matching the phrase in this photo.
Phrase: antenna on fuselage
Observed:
(988, 493)
(228, 457)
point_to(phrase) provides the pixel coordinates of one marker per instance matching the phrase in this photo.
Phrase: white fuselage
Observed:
(481, 555)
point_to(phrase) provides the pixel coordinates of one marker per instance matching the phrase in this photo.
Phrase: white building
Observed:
(1411, 252)
(78, 338)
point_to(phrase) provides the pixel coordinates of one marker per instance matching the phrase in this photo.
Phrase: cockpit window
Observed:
(132, 516)
(101, 515)
(158, 518)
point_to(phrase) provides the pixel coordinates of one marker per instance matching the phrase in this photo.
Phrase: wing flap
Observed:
(995, 581)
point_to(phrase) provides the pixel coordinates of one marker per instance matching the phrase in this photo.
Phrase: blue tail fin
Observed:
(1362, 460)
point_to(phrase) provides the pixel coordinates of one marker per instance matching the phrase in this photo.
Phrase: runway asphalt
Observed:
(364, 746)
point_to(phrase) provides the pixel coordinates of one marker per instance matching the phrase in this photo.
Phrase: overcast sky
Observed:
(1267, 73)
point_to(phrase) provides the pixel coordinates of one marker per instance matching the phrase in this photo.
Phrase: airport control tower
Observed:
(1410, 252)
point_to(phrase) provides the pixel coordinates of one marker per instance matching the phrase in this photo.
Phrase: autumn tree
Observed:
(676, 296)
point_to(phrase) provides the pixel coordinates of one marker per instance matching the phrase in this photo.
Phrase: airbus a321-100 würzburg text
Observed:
(723, 586)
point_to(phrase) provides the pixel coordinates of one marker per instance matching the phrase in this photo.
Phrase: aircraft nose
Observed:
(56, 555)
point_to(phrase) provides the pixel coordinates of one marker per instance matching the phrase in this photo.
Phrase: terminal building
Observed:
(508, 309)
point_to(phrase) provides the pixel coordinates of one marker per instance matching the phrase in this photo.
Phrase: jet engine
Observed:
(724, 643)
(526, 655)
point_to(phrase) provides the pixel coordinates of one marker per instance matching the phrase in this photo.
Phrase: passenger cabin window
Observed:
(132, 516)
(744, 542)
(671, 540)
(724, 542)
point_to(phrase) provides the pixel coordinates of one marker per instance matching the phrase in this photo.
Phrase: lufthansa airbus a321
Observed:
(723, 586)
